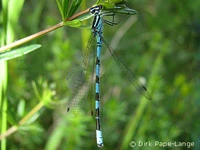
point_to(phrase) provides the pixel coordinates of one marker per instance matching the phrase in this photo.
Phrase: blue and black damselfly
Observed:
(97, 30)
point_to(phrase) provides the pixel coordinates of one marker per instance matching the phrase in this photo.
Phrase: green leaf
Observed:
(74, 5)
(66, 9)
(116, 1)
(60, 8)
(116, 6)
(74, 23)
(21, 107)
(65, 5)
(32, 119)
(31, 127)
(63, 8)
(111, 1)
(18, 52)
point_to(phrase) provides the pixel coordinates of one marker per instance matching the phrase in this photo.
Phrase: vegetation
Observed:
(159, 44)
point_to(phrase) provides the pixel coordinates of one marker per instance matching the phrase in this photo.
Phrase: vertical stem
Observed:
(11, 11)
(3, 77)
(130, 130)
(3, 100)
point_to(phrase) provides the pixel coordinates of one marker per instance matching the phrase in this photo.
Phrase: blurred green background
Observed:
(161, 45)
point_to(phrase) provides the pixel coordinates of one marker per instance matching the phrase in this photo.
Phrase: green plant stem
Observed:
(31, 37)
(38, 34)
(130, 130)
(13, 129)
(3, 100)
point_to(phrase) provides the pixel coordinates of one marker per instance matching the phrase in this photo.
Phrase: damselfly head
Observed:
(96, 9)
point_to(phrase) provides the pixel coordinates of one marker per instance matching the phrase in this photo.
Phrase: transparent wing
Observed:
(75, 82)
(134, 80)
(79, 80)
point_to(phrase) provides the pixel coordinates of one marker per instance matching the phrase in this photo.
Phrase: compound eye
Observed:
(92, 11)
(96, 9)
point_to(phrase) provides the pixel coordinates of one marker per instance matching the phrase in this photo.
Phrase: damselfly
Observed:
(97, 30)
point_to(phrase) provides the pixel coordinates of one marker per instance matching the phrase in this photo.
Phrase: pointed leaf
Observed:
(65, 6)
(18, 52)
(60, 9)
(75, 4)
